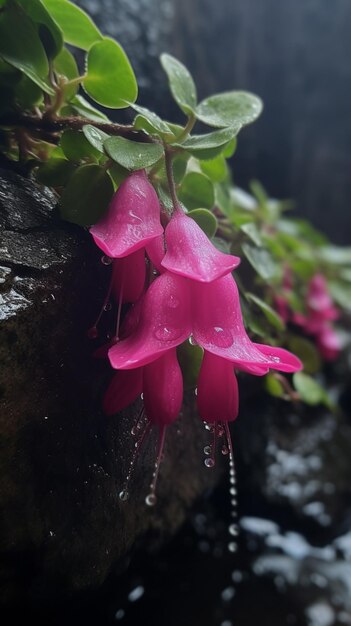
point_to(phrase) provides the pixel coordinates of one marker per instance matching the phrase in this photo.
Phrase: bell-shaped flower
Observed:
(132, 219)
(175, 308)
(161, 386)
(191, 254)
(217, 390)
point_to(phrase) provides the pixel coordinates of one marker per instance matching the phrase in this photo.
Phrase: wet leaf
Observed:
(196, 191)
(55, 172)
(77, 27)
(209, 145)
(216, 169)
(181, 83)
(20, 45)
(149, 121)
(75, 146)
(80, 106)
(133, 155)
(96, 137)
(230, 108)
(110, 79)
(262, 261)
(49, 32)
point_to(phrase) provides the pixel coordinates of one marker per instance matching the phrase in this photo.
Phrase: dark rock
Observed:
(63, 527)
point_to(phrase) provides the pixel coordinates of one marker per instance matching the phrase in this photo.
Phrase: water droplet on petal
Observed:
(167, 333)
(221, 337)
(150, 499)
(123, 495)
(192, 341)
(106, 260)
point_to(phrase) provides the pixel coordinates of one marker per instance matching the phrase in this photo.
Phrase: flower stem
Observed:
(170, 178)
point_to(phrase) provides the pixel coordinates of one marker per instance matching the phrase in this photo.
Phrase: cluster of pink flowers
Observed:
(188, 293)
(321, 312)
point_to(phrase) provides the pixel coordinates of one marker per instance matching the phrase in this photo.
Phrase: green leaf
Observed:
(190, 358)
(335, 255)
(27, 93)
(206, 220)
(65, 66)
(80, 106)
(77, 27)
(262, 261)
(341, 293)
(230, 108)
(49, 32)
(250, 229)
(96, 137)
(307, 352)
(110, 79)
(87, 195)
(216, 169)
(273, 386)
(55, 172)
(196, 191)
(149, 121)
(310, 391)
(76, 146)
(271, 316)
(209, 145)
(230, 148)
(181, 83)
(20, 45)
(133, 155)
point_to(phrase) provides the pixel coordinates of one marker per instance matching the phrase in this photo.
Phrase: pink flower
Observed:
(191, 254)
(161, 385)
(175, 308)
(132, 219)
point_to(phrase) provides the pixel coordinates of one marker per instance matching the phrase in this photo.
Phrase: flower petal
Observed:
(190, 253)
(128, 277)
(132, 219)
(280, 359)
(123, 389)
(165, 322)
(217, 390)
(219, 328)
(155, 250)
(163, 389)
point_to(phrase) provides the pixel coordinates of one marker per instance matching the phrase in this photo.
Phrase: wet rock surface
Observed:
(63, 528)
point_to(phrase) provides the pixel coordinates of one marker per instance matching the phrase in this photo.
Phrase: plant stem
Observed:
(75, 123)
(170, 178)
(187, 129)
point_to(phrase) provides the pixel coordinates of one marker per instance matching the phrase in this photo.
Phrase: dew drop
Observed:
(221, 337)
(167, 333)
(173, 302)
(93, 333)
(207, 449)
(233, 530)
(123, 495)
(192, 341)
(209, 462)
(233, 491)
(232, 546)
(225, 450)
(106, 260)
(151, 499)
(108, 306)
